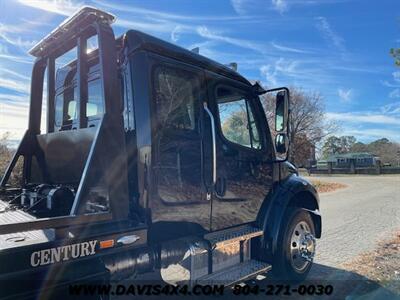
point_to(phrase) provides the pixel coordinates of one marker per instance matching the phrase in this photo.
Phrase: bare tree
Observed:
(338, 145)
(308, 122)
(6, 155)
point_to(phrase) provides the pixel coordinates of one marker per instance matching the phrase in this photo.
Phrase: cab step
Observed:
(234, 234)
(236, 274)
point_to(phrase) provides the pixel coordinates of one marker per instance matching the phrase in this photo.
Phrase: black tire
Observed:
(283, 265)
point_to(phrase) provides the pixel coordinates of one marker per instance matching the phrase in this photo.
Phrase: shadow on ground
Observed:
(345, 285)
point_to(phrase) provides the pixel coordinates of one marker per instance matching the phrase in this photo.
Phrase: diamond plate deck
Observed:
(234, 234)
(236, 274)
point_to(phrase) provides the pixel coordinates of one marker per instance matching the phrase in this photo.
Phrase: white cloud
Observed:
(391, 108)
(281, 68)
(16, 58)
(239, 6)
(395, 83)
(329, 34)
(389, 84)
(373, 134)
(16, 99)
(147, 20)
(396, 76)
(369, 118)
(13, 73)
(395, 93)
(203, 31)
(158, 27)
(64, 7)
(286, 66)
(269, 74)
(243, 6)
(176, 33)
(287, 49)
(345, 95)
(19, 42)
(4, 54)
(280, 5)
(157, 15)
(16, 85)
(13, 118)
(3, 49)
(6, 30)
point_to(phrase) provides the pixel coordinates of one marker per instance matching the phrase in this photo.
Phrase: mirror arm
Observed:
(279, 89)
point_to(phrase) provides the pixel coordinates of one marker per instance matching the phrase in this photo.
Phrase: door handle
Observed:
(214, 144)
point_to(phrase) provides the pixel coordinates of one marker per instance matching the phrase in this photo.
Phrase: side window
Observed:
(175, 92)
(237, 118)
(95, 105)
(65, 107)
(65, 103)
(179, 162)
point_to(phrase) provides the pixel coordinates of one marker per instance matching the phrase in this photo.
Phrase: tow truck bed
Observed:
(19, 239)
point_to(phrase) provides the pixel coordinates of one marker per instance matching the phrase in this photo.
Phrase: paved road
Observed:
(355, 218)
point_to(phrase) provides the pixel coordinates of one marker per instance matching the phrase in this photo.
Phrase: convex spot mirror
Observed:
(281, 143)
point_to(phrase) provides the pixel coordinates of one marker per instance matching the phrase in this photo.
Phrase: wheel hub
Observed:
(307, 247)
(302, 246)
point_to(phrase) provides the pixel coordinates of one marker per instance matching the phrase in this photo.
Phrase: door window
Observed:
(176, 91)
(177, 99)
(237, 118)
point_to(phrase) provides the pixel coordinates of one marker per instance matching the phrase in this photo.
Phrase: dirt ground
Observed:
(325, 187)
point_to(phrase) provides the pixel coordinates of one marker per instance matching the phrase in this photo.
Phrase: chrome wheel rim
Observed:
(302, 246)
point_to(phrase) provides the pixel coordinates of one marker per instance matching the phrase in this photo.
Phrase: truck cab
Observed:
(154, 159)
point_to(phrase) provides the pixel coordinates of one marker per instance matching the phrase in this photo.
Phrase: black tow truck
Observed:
(154, 159)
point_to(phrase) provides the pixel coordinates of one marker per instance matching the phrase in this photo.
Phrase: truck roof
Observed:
(138, 40)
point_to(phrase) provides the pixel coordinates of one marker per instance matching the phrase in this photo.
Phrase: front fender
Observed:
(284, 195)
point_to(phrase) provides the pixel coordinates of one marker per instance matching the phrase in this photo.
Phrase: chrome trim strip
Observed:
(214, 143)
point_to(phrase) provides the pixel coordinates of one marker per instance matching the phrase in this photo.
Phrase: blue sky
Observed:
(339, 48)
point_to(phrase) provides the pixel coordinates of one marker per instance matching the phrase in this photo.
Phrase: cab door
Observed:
(243, 152)
(179, 197)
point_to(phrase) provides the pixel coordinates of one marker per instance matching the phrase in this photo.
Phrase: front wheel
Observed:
(296, 246)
